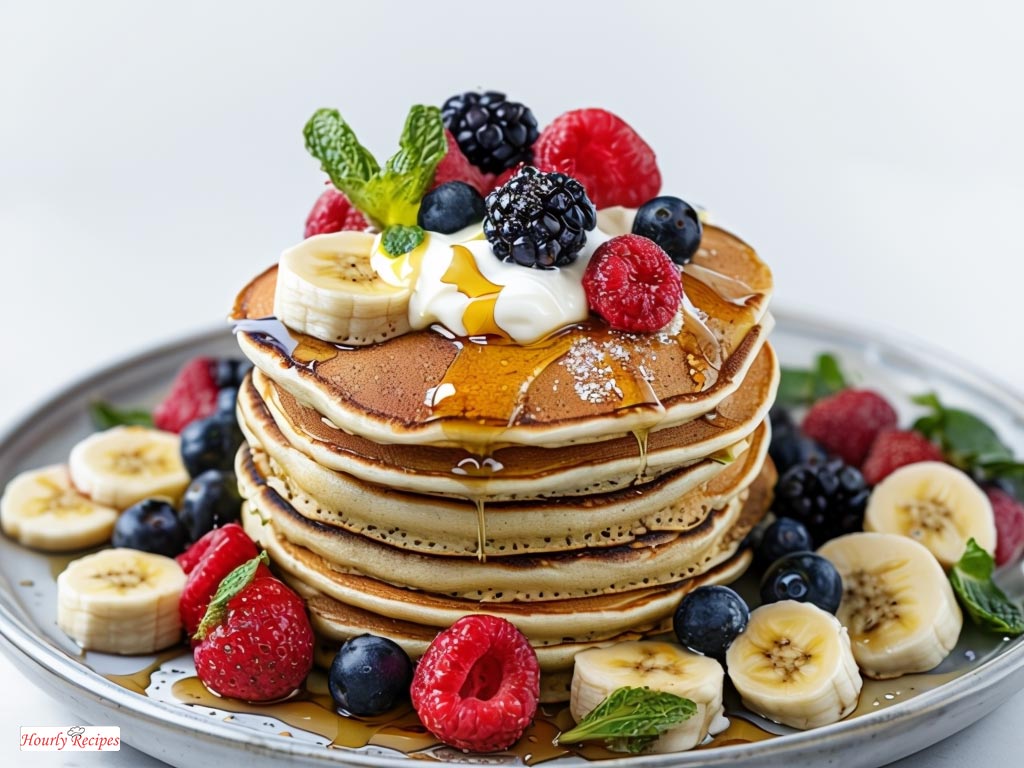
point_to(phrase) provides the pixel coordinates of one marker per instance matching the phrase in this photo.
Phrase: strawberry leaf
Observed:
(229, 588)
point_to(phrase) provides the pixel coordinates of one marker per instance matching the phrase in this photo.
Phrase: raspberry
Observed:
(1009, 516)
(847, 422)
(477, 686)
(333, 212)
(600, 149)
(258, 644)
(895, 448)
(193, 396)
(455, 167)
(633, 284)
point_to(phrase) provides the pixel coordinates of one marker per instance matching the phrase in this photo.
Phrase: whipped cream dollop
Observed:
(458, 282)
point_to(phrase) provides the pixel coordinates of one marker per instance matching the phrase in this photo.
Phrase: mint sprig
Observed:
(987, 605)
(390, 195)
(805, 386)
(230, 586)
(631, 719)
(105, 416)
(399, 239)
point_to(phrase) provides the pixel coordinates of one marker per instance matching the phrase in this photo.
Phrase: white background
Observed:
(151, 161)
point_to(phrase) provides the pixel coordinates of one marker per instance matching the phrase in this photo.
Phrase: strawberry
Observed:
(255, 641)
(633, 284)
(207, 562)
(604, 153)
(333, 212)
(895, 448)
(455, 167)
(478, 684)
(193, 396)
(1009, 517)
(847, 423)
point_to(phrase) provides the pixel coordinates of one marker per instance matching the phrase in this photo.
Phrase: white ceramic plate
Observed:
(898, 719)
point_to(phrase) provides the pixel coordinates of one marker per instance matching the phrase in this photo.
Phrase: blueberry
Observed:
(229, 371)
(369, 675)
(226, 399)
(151, 526)
(212, 500)
(709, 619)
(672, 224)
(451, 207)
(804, 577)
(210, 443)
(782, 537)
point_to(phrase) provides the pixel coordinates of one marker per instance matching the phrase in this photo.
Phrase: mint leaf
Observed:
(105, 416)
(631, 719)
(229, 588)
(331, 141)
(804, 387)
(399, 239)
(987, 605)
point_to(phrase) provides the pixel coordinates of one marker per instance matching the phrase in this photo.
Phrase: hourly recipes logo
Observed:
(76, 738)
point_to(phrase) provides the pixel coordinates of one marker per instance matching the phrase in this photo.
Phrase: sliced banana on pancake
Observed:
(121, 601)
(327, 288)
(935, 504)
(793, 664)
(660, 666)
(124, 465)
(40, 508)
(897, 604)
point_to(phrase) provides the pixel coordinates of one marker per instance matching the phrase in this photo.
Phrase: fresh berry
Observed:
(492, 132)
(227, 399)
(784, 536)
(600, 149)
(895, 448)
(478, 684)
(451, 207)
(633, 284)
(804, 577)
(211, 501)
(210, 443)
(369, 675)
(207, 562)
(539, 219)
(193, 396)
(230, 371)
(847, 422)
(333, 212)
(672, 224)
(789, 445)
(255, 642)
(151, 526)
(709, 619)
(828, 498)
(455, 167)
(1009, 517)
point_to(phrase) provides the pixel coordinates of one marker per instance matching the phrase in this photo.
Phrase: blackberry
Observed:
(827, 497)
(492, 132)
(539, 219)
(789, 445)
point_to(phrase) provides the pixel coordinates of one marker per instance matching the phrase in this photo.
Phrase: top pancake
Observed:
(584, 384)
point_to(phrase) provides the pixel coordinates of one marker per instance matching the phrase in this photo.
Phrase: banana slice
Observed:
(658, 666)
(124, 465)
(793, 664)
(934, 504)
(121, 601)
(897, 603)
(327, 288)
(40, 508)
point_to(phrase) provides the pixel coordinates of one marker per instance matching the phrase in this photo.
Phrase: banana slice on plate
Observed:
(124, 465)
(656, 665)
(793, 664)
(935, 504)
(121, 601)
(897, 603)
(327, 288)
(41, 509)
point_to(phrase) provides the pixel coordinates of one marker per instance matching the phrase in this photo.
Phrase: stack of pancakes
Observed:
(578, 487)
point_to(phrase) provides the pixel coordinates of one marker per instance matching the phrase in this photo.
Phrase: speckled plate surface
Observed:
(894, 719)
